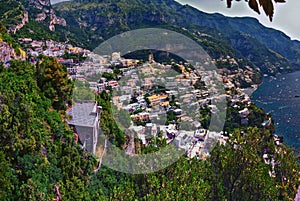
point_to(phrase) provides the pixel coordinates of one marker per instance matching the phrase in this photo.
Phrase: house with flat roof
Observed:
(85, 122)
(158, 98)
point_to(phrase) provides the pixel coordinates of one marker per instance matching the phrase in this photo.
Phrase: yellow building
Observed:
(156, 99)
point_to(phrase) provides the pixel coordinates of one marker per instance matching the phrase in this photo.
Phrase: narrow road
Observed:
(100, 162)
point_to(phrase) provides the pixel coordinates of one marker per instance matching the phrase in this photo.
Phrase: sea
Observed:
(280, 96)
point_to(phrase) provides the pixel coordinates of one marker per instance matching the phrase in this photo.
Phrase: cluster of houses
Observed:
(150, 111)
(149, 114)
(50, 48)
(152, 104)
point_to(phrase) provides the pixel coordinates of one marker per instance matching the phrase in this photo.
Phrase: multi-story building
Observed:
(85, 122)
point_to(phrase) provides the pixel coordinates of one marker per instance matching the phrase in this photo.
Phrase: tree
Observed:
(2, 28)
(39, 158)
(108, 122)
(53, 80)
(82, 92)
(267, 6)
(239, 170)
(5, 177)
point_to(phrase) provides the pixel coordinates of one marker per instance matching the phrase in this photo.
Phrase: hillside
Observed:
(43, 158)
(13, 14)
(9, 50)
(271, 38)
(41, 11)
(95, 21)
(16, 14)
(87, 23)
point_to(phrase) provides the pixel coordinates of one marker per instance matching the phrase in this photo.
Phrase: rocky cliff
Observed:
(15, 14)
(14, 29)
(8, 53)
(42, 11)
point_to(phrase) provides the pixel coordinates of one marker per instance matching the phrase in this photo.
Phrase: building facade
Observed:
(85, 121)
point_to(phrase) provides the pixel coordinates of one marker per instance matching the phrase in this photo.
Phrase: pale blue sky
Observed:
(285, 19)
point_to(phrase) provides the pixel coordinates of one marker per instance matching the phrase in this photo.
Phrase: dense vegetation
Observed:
(11, 12)
(108, 124)
(38, 153)
(40, 159)
(39, 31)
(52, 79)
(217, 34)
(100, 20)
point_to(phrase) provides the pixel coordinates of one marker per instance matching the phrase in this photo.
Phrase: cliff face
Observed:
(19, 26)
(41, 11)
(8, 53)
(55, 20)
(13, 14)
(16, 13)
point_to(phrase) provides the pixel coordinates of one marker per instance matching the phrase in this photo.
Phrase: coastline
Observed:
(250, 90)
(279, 95)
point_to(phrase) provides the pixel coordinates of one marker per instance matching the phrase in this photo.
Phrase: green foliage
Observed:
(11, 12)
(82, 92)
(39, 31)
(38, 152)
(123, 117)
(205, 116)
(109, 76)
(238, 166)
(171, 117)
(108, 124)
(76, 57)
(138, 111)
(8, 39)
(2, 28)
(5, 172)
(37, 149)
(52, 79)
(233, 119)
(218, 35)
(38, 155)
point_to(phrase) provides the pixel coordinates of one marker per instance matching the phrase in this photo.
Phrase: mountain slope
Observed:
(15, 14)
(271, 38)
(100, 19)
(41, 11)
(87, 23)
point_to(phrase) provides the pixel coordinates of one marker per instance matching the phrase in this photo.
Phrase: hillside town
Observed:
(147, 100)
(157, 101)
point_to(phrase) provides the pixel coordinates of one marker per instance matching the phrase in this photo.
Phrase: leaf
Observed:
(254, 5)
(229, 2)
(268, 8)
(261, 2)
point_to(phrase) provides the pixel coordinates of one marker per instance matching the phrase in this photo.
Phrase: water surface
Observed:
(280, 96)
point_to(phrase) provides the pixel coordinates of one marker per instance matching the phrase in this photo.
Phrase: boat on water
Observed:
(282, 107)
